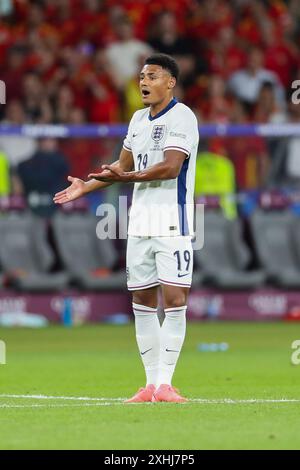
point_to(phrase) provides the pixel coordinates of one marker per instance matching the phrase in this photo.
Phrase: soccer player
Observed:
(158, 156)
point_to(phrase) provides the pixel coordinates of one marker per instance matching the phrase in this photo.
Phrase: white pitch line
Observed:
(117, 401)
(8, 405)
(46, 397)
(229, 401)
(85, 405)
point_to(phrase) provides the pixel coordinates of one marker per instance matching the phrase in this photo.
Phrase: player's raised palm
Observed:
(74, 191)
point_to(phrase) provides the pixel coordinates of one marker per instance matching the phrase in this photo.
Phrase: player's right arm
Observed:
(79, 188)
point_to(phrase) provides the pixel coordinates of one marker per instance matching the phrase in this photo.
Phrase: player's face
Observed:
(156, 84)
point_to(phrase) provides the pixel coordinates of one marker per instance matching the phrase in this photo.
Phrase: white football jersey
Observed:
(163, 208)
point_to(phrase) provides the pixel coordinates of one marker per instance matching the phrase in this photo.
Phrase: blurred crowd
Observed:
(78, 61)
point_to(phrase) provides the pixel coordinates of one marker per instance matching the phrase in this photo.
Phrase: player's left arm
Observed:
(168, 169)
(181, 138)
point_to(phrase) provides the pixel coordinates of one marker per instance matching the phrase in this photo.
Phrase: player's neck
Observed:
(157, 108)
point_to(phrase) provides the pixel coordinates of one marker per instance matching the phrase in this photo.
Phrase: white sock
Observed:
(147, 329)
(171, 341)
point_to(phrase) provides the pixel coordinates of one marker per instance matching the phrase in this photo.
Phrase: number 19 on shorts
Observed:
(183, 262)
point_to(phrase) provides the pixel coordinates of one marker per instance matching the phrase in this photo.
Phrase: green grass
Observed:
(102, 361)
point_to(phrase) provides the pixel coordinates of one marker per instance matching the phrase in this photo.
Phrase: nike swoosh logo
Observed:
(171, 350)
(182, 275)
(142, 353)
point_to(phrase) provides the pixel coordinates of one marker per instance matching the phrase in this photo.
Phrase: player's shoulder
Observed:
(182, 109)
(181, 112)
(140, 114)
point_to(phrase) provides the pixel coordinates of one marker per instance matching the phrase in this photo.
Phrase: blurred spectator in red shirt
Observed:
(83, 155)
(215, 107)
(208, 18)
(47, 65)
(138, 12)
(281, 55)
(63, 105)
(36, 103)
(37, 27)
(224, 56)
(45, 62)
(6, 39)
(77, 68)
(66, 17)
(102, 84)
(12, 70)
(252, 18)
(94, 22)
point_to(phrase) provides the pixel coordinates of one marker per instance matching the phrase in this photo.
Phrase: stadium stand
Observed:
(25, 255)
(275, 235)
(225, 256)
(88, 260)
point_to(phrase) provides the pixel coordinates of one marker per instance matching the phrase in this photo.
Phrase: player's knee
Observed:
(141, 298)
(176, 301)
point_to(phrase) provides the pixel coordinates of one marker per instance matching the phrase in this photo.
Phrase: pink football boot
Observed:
(143, 395)
(169, 394)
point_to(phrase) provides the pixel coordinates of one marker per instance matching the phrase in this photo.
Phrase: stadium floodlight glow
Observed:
(2, 352)
(2, 92)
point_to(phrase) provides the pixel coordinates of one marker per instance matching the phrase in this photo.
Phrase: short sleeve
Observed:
(183, 133)
(128, 138)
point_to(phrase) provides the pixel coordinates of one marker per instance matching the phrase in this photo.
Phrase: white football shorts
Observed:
(159, 260)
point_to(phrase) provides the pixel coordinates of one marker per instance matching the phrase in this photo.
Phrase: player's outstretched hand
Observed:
(110, 174)
(74, 191)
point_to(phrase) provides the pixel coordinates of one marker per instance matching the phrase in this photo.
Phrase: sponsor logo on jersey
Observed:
(177, 134)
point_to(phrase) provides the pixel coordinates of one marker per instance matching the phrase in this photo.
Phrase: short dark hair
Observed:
(166, 62)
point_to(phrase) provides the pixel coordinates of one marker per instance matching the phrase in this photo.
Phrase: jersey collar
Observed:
(163, 111)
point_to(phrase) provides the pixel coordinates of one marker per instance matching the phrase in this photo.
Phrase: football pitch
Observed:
(64, 389)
